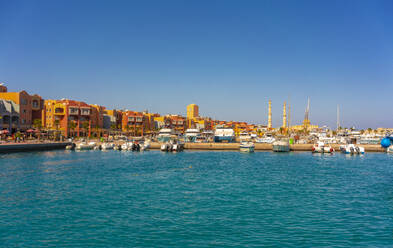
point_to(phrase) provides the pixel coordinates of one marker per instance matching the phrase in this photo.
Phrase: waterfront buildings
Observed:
(72, 118)
(30, 107)
(9, 112)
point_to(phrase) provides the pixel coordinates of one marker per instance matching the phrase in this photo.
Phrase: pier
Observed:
(27, 147)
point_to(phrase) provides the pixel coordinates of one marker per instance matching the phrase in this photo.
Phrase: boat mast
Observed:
(338, 117)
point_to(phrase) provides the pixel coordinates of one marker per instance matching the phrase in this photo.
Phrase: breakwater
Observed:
(26, 147)
(260, 147)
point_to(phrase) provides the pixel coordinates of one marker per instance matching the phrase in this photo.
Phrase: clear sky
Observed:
(229, 57)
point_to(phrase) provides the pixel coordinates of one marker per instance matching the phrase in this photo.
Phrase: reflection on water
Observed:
(200, 199)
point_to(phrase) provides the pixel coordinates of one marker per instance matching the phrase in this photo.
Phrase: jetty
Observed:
(27, 147)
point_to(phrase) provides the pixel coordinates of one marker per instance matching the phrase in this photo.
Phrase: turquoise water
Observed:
(195, 199)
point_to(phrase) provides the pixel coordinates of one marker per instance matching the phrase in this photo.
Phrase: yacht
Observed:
(244, 136)
(85, 146)
(267, 140)
(281, 146)
(321, 147)
(247, 147)
(191, 135)
(224, 135)
(165, 134)
(107, 146)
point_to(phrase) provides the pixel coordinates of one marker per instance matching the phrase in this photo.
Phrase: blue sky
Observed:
(229, 57)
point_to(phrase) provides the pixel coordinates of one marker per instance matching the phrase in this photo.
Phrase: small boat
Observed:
(389, 149)
(352, 149)
(166, 147)
(165, 134)
(177, 147)
(107, 146)
(86, 146)
(247, 147)
(71, 147)
(126, 146)
(267, 140)
(281, 146)
(145, 146)
(320, 147)
(135, 147)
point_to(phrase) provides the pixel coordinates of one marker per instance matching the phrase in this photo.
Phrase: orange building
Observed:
(72, 118)
(97, 119)
(177, 123)
(30, 106)
(134, 123)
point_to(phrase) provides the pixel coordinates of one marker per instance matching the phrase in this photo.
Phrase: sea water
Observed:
(195, 199)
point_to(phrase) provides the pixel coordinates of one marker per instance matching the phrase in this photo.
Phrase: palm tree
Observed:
(72, 125)
(85, 126)
(37, 123)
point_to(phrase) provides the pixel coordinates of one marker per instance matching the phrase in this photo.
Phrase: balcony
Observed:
(73, 111)
(85, 111)
(131, 119)
(59, 111)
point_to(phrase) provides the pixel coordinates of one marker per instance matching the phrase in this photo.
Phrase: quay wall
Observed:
(26, 147)
(260, 147)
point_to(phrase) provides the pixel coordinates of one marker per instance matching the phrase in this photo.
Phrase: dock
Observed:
(27, 147)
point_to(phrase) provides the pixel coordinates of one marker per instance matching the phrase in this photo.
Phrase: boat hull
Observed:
(281, 148)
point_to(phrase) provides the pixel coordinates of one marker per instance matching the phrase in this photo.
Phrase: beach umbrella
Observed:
(4, 132)
(30, 130)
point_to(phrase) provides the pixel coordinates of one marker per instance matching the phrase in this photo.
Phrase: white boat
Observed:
(224, 134)
(166, 147)
(107, 146)
(191, 135)
(126, 146)
(86, 146)
(267, 140)
(244, 136)
(281, 146)
(165, 134)
(145, 146)
(247, 147)
(352, 149)
(320, 147)
(389, 149)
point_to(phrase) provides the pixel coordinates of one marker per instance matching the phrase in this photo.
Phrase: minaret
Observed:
(269, 122)
(284, 116)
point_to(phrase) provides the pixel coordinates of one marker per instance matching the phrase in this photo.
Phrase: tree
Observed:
(85, 126)
(72, 125)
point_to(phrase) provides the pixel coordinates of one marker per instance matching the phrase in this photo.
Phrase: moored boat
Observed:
(352, 149)
(247, 147)
(281, 146)
(86, 146)
(320, 147)
(107, 146)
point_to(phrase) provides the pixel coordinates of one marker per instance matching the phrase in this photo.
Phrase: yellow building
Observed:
(192, 111)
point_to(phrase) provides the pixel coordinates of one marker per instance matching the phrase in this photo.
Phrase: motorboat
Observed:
(70, 146)
(166, 147)
(191, 135)
(107, 146)
(244, 137)
(267, 140)
(321, 147)
(389, 149)
(224, 135)
(247, 147)
(145, 146)
(352, 149)
(86, 146)
(126, 146)
(281, 146)
(165, 134)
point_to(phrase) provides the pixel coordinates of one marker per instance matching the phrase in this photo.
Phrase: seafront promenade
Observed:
(23, 147)
(26, 147)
